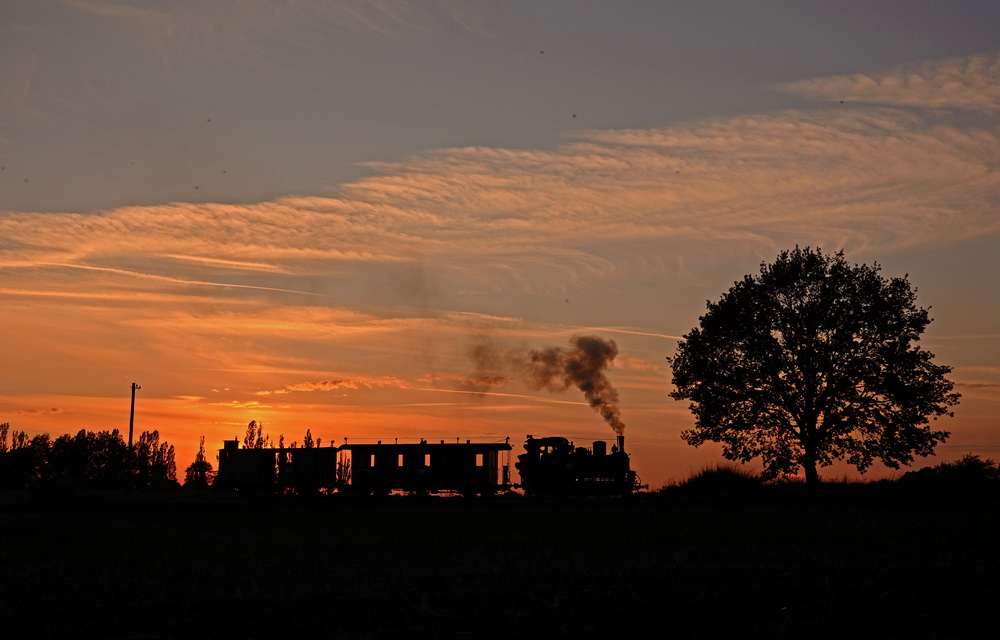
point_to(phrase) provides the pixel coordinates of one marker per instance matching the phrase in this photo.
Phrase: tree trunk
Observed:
(812, 476)
(809, 447)
(809, 467)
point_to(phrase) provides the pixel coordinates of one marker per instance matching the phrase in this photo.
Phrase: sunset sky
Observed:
(309, 213)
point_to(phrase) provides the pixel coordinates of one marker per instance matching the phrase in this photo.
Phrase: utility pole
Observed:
(131, 416)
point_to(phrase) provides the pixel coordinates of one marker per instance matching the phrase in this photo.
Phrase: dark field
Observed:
(509, 567)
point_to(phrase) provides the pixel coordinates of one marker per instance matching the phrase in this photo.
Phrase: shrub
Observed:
(970, 469)
(721, 478)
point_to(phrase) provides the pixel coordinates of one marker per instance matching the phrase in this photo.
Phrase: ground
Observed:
(644, 566)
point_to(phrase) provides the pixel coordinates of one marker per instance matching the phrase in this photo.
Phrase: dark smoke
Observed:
(493, 363)
(584, 366)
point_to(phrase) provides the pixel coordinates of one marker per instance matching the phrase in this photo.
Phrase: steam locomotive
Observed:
(549, 466)
(554, 466)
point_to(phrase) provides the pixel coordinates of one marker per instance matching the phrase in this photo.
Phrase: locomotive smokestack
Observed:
(621, 443)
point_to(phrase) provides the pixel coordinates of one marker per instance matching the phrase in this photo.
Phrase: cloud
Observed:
(331, 385)
(235, 30)
(632, 363)
(250, 404)
(173, 280)
(541, 399)
(635, 332)
(613, 206)
(50, 410)
(981, 369)
(18, 75)
(977, 385)
(971, 82)
(106, 296)
(239, 265)
(280, 294)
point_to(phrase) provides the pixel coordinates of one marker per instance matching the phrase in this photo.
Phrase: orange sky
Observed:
(232, 290)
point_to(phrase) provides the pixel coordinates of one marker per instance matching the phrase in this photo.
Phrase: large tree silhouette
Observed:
(811, 361)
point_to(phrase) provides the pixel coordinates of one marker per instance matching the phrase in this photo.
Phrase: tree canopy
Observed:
(255, 438)
(813, 360)
(199, 473)
(86, 460)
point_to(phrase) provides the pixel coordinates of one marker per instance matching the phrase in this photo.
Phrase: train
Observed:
(555, 466)
(548, 466)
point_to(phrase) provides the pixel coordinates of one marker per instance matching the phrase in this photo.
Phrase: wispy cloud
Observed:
(971, 82)
(541, 399)
(246, 404)
(635, 332)
(347, 383)
(618, 205)
(233, 30)
(173, 280)
(240, 265)
(978, 385)
(307, 297)
(50, 410)
(107, 296)
(16, 77)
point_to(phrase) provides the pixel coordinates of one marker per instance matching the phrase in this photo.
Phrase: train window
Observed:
(427, 459)
(479, 459)
(371, 463)
(399, 460)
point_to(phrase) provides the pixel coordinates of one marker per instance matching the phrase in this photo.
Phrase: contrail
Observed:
(503, 395)
(200, 283)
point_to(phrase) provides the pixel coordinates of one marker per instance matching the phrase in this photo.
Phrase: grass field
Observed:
(645, 566)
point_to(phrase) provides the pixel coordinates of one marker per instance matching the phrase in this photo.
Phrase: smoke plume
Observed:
(584, 366)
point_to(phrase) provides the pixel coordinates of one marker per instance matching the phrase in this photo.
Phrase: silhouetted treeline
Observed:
(100, 460)
(969, 479)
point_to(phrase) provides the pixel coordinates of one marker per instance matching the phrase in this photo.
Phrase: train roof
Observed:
(468, 445)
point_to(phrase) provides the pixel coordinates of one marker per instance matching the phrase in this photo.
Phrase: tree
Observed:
(109, 459)
(970, 469)
(69, 459)
(811, 361)
(307, 441)
(255, 438)
(85, 460)
(24, 464)
(154, 461)
(199, 473)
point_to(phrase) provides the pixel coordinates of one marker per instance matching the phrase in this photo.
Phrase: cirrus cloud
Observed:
(616, 205)
(971, 82)
(333, 385)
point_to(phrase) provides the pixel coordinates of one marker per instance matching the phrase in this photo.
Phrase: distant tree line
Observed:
(100, 460)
